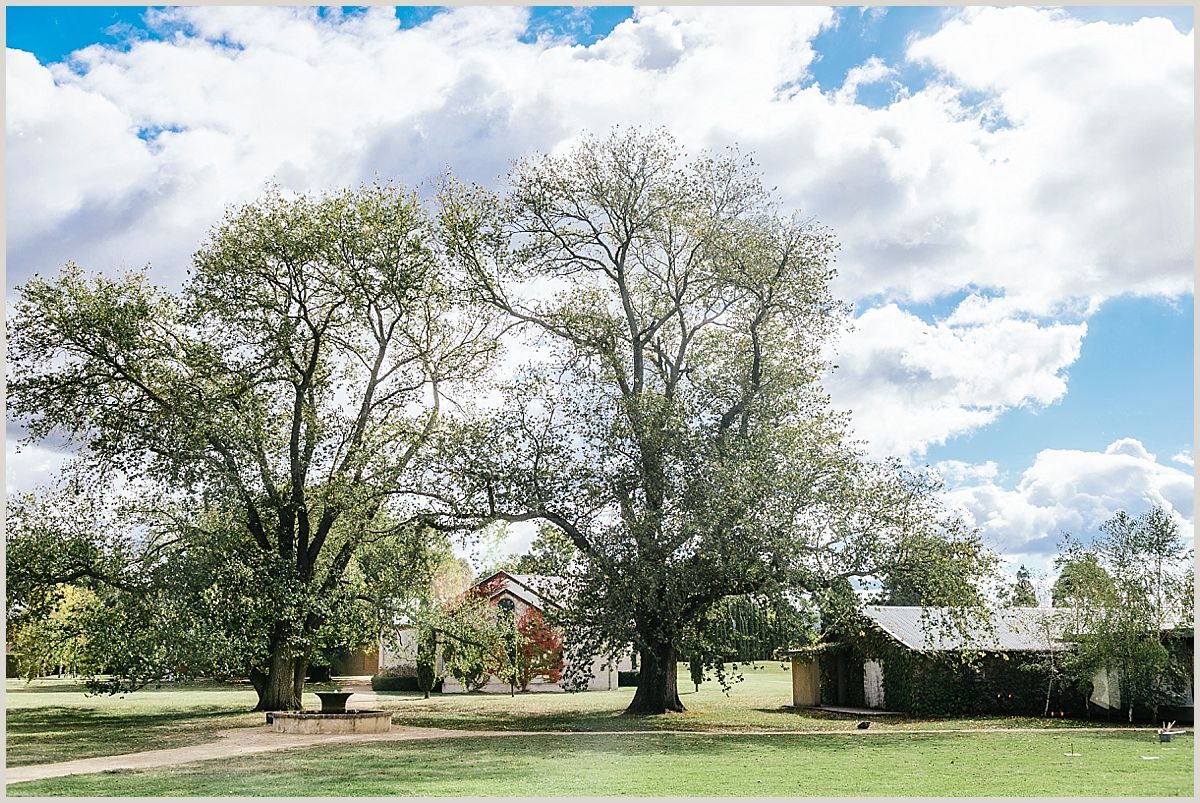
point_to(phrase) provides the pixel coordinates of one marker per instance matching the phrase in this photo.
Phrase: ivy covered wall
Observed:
(940, 683)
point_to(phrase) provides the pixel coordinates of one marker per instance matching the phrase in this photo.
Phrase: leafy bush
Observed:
(537, 649)
(696, 668)
(628, 678)
(390, 680)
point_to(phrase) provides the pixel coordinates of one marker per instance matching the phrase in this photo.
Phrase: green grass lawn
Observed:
(759, 702)
(664, 764)
(55, 720)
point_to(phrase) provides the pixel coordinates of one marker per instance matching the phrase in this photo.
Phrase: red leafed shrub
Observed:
(539, 650)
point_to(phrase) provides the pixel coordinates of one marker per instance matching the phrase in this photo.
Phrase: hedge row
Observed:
(393, 682)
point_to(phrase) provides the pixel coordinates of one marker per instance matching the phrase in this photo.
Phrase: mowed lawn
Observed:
(55, 721)
(595, 764)
(760, 701)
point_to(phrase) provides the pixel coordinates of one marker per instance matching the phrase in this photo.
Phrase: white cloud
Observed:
(910, 384)
(1085, 193)
(1073, 491)
(1184, 458)
(957, 472)
(1088, 193)
(30, 466)
(869, 72)
(1090, 189)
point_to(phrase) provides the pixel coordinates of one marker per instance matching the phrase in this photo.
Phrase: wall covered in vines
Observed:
(943, 683)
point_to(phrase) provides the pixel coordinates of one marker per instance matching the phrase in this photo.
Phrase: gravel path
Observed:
(262, 739)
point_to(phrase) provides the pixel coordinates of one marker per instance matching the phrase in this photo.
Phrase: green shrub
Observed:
(426, 677)
(389, 680)
(696, 668)
(628, 678)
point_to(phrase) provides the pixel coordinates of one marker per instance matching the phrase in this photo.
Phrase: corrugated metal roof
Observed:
(1015, 629)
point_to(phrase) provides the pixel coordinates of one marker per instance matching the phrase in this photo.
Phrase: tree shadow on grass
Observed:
(63, 733)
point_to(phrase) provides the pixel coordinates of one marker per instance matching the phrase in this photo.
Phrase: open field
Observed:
(662, 764)
(758, 702)
(54, 720)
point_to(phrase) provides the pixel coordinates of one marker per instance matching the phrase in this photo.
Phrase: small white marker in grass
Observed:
(1151, 758)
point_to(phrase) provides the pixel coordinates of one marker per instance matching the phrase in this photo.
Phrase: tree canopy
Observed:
(1023, 594)
(268, 419)
(267, 458)
(1080, 576)
(1129, 590)
(671, 421)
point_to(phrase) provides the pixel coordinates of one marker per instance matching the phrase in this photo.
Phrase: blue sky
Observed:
(1134, 375)
(1017, 238)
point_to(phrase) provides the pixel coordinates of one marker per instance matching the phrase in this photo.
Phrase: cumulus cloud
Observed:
(1087, 190)
(869, 72)
(910, 384)
(1072, 491)
(957, 472)
(1084, 198)
(1045, 161)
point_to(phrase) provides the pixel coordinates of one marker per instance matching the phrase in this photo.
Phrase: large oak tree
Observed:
(670, 421)
(269, 414)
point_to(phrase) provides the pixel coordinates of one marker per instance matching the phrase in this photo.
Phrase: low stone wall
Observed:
(313, 722)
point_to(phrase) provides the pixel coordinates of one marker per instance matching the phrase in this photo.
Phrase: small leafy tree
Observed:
(696, 669)
(539, 648)
(472, 639)
(59, 640)
(1117, 617)
(426, 661)
(1023, 594)
(1081, 577)
(1053, 663)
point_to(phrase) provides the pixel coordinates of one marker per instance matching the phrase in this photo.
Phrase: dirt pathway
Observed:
(229, 743)
(249, 741)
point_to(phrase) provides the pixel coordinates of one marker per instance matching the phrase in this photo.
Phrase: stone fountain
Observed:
(332, 718)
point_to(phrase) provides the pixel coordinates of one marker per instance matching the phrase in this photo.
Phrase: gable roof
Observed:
(533, 589)
(1012, 629)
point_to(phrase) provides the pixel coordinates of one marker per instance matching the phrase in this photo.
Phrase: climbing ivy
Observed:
(941, 683)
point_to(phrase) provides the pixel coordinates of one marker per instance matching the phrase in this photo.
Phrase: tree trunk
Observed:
(299, 675)
(281, 687)
(658, 684)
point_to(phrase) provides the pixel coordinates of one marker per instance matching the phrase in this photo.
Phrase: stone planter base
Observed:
(314, 722)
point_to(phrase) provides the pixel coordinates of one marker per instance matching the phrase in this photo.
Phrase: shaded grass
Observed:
(54, 720)
(662, 764)
(759, 702)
